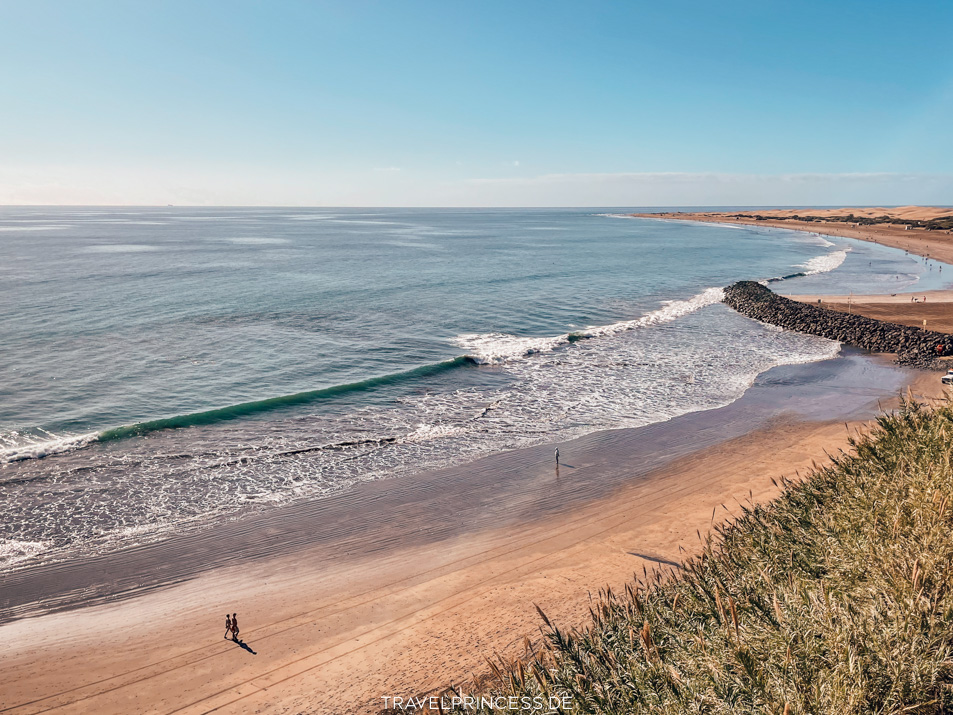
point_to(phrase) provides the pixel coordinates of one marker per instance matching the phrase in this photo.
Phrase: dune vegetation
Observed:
(834, 598)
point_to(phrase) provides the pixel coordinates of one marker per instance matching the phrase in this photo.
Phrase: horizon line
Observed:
(516, 208)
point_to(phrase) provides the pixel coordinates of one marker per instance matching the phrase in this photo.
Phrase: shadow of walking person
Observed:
(247, 647)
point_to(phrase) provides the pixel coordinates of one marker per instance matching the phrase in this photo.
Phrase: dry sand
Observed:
(934, 306)
(338, 639)
(325, 638)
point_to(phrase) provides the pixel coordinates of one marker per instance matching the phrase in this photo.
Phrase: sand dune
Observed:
(912, 213)
(936, 244)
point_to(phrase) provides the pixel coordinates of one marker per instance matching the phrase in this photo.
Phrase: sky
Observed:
(476, 102)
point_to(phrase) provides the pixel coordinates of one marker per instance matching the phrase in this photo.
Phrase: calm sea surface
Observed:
(163, 368)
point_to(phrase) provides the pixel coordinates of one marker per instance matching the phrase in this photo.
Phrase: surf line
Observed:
(245, 409)
(38, 450)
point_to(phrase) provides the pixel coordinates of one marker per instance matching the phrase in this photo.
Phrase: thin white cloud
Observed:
(387, 169)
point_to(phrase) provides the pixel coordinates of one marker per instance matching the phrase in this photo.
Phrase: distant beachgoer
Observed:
(557, 455)
(228, 625)
(924, 299)
(234, 626)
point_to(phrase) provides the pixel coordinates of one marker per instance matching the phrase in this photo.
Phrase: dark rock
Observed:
(914, 347)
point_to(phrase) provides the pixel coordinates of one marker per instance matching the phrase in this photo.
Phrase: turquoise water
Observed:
(166, 367)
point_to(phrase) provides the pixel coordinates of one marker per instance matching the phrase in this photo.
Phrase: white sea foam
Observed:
(137, 530)
(671, 310)
(13, 551)
(629, 374)
(31, 447)
(427, 432)
(496, 348)
(627, 379)
(825, 263)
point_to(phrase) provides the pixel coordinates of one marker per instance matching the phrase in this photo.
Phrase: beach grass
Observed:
(836, 597)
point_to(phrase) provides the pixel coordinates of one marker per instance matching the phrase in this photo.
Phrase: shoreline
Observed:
(331, 635)
(339, 611)
(936, 245)
(898, 308)
(456, 500)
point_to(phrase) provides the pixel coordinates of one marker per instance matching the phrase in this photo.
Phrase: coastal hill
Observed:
(834, 597)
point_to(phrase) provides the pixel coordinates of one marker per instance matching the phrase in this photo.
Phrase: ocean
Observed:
(168, 368)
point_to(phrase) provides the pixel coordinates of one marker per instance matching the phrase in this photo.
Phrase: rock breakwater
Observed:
(913, 346)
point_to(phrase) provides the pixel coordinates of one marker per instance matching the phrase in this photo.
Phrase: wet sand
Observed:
(340, 608)
(400, 587)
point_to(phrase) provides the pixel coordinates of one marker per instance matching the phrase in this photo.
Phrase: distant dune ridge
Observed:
(910, 213)
(923, 230)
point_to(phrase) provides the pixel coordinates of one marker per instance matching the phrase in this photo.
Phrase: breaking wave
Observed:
(819, 264)
(36, 448)
(497, 348)
(32, 448)
(825, 263)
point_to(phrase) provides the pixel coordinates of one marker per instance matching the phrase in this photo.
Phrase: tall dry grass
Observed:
(834, 598)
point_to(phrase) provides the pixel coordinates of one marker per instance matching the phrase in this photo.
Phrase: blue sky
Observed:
(450, 102)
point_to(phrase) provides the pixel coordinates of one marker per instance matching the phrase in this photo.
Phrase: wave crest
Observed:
(44, 448)
(497, 348)
(825, 263)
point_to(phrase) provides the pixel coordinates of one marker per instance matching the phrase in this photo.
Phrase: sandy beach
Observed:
(932, 306)
(334, 628)
(903, 308)
(932, 244)
(440, 571)
(468, 359)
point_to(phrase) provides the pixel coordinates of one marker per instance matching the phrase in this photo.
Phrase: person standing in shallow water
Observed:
(228, 625)
(235, 627)
(557, 455)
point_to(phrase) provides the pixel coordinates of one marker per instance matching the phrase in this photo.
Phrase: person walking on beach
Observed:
(235, 627)
(557, 455)
(228, 625)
